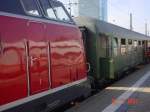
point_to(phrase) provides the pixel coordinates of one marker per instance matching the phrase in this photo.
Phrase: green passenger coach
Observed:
(110, 49)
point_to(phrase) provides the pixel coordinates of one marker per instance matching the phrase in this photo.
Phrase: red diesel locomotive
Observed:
(42, 58)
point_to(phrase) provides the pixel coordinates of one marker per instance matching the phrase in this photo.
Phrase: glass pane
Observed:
(123, 42)
(130, 42)
(115, 46)
(115, 42)
(60, 12)
(123, 46)
(47, 9)
(123, 50)
(103, 42)
(31, 7)
(139, 43)
(135, 43)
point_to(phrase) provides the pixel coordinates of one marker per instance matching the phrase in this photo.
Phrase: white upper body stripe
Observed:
(35, 19)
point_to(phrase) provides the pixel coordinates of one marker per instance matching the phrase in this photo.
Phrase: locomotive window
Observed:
(60, 12)
(123, 41)
(49, 12)
(31, 7)
(130, 42)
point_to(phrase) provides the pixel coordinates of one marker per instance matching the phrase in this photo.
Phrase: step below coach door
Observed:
(38, 58)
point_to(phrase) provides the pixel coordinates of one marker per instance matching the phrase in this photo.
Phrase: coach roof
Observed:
(98, 26)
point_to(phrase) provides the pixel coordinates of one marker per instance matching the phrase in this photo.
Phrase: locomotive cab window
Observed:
(48, 11)
(60, 12)
(30, 7)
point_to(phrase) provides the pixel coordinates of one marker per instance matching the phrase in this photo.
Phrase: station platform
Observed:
(130, 94)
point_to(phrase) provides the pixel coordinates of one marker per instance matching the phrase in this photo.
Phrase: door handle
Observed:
(89, 67)
(32, 60)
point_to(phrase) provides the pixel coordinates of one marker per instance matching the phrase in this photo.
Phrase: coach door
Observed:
(105, 45)
(37, 50)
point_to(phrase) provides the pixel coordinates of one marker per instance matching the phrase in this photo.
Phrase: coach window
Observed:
(129, 45)
(60, 12)
(48, 11)
(115, 46)
(129, 42)
(139, 43)
(143, 43)
(31, 7)
(123, 46)
(148, 43)
(104, 45)
(135, 44)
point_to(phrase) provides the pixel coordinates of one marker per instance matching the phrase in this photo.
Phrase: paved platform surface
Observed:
(131, 94)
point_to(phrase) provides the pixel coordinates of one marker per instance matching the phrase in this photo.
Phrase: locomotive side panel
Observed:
(66, 53)
(13, 80)
(38, 57)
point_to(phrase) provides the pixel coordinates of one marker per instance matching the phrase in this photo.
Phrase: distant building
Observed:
(92, 8)
(103, 10)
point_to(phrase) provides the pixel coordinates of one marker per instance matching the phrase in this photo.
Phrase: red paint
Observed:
(12, 73)
(66, 55)
(38, 66)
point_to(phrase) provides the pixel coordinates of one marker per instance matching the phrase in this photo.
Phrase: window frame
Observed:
(66, 12)
(47, 17)
(135, 46)
(139, 43)
(123, 47)
(116, 48)
(130, 40)
(38, 8)
(117, 42)
(121, 42)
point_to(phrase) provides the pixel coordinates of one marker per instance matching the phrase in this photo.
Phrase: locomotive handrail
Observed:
(89, 67)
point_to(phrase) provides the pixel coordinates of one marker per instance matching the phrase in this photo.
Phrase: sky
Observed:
(119, 13)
